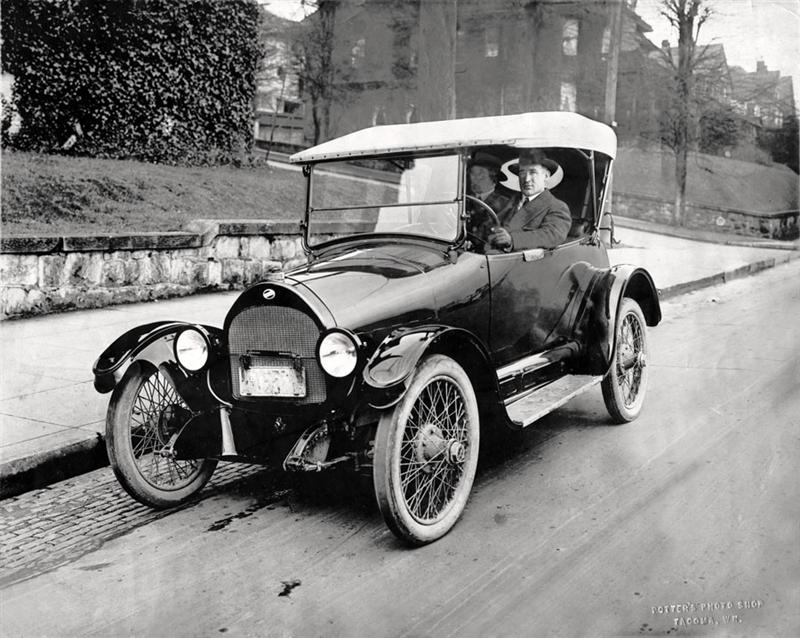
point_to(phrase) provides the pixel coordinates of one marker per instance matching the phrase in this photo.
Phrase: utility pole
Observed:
(612, 70)
(610, 110)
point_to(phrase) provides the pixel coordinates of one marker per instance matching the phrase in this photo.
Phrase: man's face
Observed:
(532, 178)
(481, 179)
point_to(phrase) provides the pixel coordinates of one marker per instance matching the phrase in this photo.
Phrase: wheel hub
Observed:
(170, 420)
(431, 445)
(456, 452)
(629, 359)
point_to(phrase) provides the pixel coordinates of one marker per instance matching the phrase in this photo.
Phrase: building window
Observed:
(569, 96)
(358, 52)
(491, 41)
(569, 37)
(291, 106)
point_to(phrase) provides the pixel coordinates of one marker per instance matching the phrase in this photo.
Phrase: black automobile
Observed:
(404, 338)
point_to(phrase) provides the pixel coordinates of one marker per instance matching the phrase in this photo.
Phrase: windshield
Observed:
(404, 195)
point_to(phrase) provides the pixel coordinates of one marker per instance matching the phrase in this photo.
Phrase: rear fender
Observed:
(389, 370)
(620, 281)
(152, 343)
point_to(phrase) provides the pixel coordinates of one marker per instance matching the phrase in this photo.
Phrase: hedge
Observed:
(167, 81)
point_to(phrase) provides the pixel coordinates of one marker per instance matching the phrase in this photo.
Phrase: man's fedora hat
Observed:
(482, 158)
(535, 156)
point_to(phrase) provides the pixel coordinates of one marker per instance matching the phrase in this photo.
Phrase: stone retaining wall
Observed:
(40, 275)
(772, 225)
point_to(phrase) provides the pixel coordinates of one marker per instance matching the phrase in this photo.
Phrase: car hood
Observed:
(381, 286)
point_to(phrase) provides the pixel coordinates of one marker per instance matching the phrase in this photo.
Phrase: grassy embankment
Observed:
(54, 195)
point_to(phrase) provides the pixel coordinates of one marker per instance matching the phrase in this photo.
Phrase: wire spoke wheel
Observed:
(154, 418)
(144, 414)
(625, 383)
(426, 452)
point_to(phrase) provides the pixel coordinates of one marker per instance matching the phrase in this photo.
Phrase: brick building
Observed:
(420, 60)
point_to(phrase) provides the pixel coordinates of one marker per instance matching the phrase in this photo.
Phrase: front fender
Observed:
(388, 371)
(620, 281)
(150, 342)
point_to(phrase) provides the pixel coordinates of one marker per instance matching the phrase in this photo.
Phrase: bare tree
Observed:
(312, 46)
(687, 17)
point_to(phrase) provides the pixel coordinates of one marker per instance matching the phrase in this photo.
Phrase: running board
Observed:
(531, 406)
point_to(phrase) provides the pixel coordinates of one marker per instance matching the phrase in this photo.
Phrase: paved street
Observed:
(683, 522)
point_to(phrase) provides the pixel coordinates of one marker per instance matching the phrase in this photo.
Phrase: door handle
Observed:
(532, 254)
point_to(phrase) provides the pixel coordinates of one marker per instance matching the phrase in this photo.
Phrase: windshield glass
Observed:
(405, 195)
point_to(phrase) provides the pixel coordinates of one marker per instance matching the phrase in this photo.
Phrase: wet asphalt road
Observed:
(683, 522)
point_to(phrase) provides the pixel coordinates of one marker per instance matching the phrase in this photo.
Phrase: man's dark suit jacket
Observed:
(543, 222)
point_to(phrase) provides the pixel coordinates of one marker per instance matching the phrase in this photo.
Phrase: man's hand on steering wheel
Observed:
(493, 220)
(500, 238)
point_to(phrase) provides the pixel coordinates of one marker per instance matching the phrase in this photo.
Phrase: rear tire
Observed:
(144, 411)
(426, 452)
(625, 384)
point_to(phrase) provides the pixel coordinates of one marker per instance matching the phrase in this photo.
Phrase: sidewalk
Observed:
(52, 420)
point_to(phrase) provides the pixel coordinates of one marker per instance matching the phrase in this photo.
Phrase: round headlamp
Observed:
(338, 354)
(191, 349)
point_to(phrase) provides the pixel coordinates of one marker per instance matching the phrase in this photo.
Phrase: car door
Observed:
(535, 295)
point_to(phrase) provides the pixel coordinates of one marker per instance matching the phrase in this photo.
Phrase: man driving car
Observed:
(535, 218)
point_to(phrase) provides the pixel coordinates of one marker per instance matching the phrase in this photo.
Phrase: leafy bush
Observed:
(156, 80)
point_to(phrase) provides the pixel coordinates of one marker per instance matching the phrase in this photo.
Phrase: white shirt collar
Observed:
(524, 200)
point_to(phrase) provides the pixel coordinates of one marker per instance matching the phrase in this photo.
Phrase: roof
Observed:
(525, 130)
(708, 58)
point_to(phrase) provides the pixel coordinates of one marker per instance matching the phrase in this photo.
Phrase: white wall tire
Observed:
(625, 384)
(426, 452)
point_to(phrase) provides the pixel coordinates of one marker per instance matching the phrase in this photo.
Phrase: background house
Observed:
(763, 99)
(279, 107)
(475, 57)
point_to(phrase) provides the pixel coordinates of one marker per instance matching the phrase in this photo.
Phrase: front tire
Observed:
(426, 452)
(625, 384)
(144, 412)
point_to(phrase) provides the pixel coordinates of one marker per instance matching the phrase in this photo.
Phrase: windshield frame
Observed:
(448, 244)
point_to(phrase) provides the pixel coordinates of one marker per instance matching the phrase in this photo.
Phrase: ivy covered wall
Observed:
(167, 81)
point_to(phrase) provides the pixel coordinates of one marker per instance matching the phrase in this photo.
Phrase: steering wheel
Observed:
(488, 209)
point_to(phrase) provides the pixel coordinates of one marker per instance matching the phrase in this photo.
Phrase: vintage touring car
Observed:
(404, 338)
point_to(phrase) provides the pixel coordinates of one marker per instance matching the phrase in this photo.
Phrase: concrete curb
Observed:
(50, 466)
(724, 277)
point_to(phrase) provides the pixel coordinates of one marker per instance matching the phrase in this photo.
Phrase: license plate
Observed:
(272, 381)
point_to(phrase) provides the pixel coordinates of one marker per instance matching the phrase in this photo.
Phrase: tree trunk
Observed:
(436, 90)
(679, 214)
(685, 72)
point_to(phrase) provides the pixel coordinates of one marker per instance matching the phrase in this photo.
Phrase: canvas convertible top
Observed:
(524, 130)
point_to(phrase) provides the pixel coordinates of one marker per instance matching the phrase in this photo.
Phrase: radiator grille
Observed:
(277, 329)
